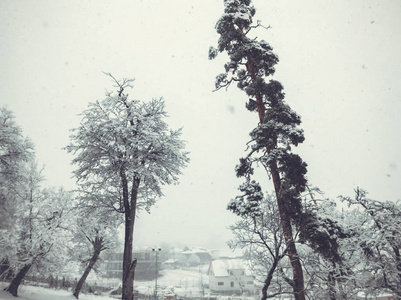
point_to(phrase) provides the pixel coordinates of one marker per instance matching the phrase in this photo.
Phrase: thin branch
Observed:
(259, 24)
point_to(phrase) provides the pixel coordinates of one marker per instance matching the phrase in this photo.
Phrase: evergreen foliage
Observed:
(251, 61)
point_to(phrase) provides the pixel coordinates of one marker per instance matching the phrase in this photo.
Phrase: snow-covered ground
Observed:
(185, 283)
(40, 293)
(181, 282)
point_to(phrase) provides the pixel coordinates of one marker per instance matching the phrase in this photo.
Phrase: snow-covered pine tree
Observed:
(250, 62)
(124, 153)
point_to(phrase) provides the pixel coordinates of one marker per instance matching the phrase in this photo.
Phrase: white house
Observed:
(230, 276)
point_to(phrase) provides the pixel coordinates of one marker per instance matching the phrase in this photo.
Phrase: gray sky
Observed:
(340, 65)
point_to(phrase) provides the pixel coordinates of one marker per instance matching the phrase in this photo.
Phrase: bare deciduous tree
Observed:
(124, 153)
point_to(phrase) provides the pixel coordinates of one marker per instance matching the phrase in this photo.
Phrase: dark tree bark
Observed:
(98, 246)
(6, 273)
(130, 211)
(331, 282)
(292, 253)
(268, 279)
(15, 283)
(270, 274)
(298, 277)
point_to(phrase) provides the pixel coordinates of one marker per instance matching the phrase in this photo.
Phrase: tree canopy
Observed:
(15, 152)
(121, 135)
(125, 152)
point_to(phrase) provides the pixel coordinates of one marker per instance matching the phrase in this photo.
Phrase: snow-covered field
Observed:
(182, 282)
(40, 293)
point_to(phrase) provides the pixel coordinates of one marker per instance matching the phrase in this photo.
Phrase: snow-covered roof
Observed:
(170, 261)
(221, 268)
(195, 251)
(228, 253)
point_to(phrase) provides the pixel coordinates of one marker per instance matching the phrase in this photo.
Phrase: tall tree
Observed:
(250, 62)
(125, 152)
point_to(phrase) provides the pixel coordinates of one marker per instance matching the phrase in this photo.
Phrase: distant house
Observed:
(170, 263)
(230, 276)
(197, 256)
(145, 267)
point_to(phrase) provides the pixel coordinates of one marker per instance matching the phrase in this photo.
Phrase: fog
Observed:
(339, 64)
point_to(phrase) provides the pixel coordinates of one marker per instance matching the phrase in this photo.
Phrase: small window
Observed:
(232, 284)
(220, 283)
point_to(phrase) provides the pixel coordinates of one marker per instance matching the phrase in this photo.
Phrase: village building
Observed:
(145, 266)
(230, 276)
(197, 256)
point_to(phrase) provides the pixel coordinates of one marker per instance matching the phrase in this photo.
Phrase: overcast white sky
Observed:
(340, 64)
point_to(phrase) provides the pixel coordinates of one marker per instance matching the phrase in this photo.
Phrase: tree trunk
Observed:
(331, 282)
(97, 248)
(6, 273)
(15, 283)
(130, 211)
(269, 277)
(127, 290)
(298, 277)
